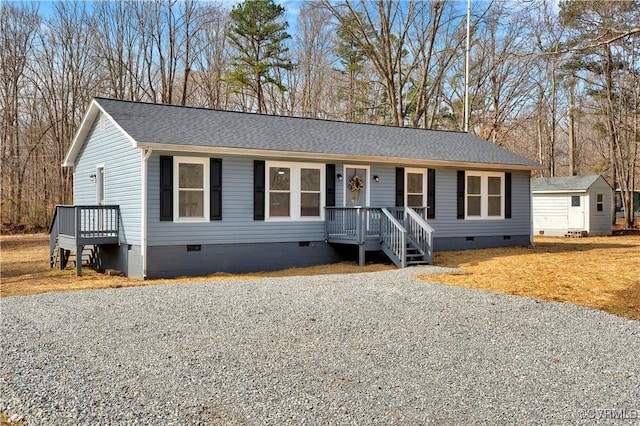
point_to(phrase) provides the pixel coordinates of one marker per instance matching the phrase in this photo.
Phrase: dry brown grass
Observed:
(24, 270)
(601, 272)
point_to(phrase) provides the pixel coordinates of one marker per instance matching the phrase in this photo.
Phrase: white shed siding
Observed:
(122, 164)
(550, 214)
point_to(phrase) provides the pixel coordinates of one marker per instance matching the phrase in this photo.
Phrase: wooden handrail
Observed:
(420, 232)
(394, 236)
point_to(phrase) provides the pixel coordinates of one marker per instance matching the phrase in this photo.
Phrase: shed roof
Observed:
(564, 183)
(168, 126)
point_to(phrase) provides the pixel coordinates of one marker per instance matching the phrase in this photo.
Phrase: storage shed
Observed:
(571, 206)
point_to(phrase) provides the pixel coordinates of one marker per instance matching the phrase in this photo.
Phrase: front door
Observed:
(355, 187)
(576, 213)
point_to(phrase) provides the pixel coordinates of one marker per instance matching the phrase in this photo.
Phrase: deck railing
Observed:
(86, 222)
(394, 227)
(355, 223)
(394, 238)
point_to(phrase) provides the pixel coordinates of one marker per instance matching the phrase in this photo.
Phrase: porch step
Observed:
(414, 257)
(87, 256)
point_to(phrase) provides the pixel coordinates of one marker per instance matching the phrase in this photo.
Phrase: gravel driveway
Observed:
(377, 348)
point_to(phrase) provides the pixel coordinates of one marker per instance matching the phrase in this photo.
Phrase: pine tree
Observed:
(258, 35)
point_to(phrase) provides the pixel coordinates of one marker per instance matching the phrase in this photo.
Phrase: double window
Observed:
(294, 191)
(484, 195)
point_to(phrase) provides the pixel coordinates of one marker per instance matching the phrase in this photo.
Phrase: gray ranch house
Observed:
(165, 191)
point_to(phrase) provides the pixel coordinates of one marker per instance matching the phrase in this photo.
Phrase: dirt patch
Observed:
(24, 270)
(601, 272)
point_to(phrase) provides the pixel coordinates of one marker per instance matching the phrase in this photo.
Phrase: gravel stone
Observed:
(371, 348)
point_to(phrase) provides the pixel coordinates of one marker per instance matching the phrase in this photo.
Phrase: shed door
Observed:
(576, 212)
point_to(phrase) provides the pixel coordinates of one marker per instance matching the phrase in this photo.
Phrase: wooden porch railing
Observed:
(420, 232)
(394, 239)
(353, 224)
(73, 227)
(393, 228)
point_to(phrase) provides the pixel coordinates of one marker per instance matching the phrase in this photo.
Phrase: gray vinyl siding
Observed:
(600, 222)
(122, 162)
(237, 224)
(446, 223)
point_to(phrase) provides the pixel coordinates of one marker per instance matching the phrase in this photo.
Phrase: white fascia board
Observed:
(408, 162)
(559, 191)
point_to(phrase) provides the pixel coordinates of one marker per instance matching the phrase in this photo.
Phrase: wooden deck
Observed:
(74, 227)
(401, 233)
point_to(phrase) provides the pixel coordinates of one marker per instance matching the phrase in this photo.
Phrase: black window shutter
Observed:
(215, 199)
(507, 195)
(461, 186)
(431, 193)
(399, 186)
(258, 189)
(166, 187)
(330, 178)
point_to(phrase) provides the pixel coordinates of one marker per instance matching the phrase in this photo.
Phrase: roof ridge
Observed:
(98, 98)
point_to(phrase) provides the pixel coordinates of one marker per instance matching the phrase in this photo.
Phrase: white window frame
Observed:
(346, 193)
(424, 185)
(295, 191)
(484, 195)
(104, 184)
(204, 161)
(599, 212)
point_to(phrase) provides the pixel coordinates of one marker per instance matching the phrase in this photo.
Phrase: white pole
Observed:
(466, 69)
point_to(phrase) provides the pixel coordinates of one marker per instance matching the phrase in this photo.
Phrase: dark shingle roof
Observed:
(563, 183)
(199, 127)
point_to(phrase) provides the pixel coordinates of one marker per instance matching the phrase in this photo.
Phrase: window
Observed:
(294, 191)
(575, 201)
(415, 188)
(191, 192)
(310, 193)
(279, 191)
(474, 196)
(600, 203)
(484, 195)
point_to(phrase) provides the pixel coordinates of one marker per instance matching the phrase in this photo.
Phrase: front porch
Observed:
(401, 233)
(75, 227)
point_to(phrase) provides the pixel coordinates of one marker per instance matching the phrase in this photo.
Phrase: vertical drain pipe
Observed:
(145, 157)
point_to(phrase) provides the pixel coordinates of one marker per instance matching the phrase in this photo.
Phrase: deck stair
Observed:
(415, 256)
(401, 233)
(76, 233)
